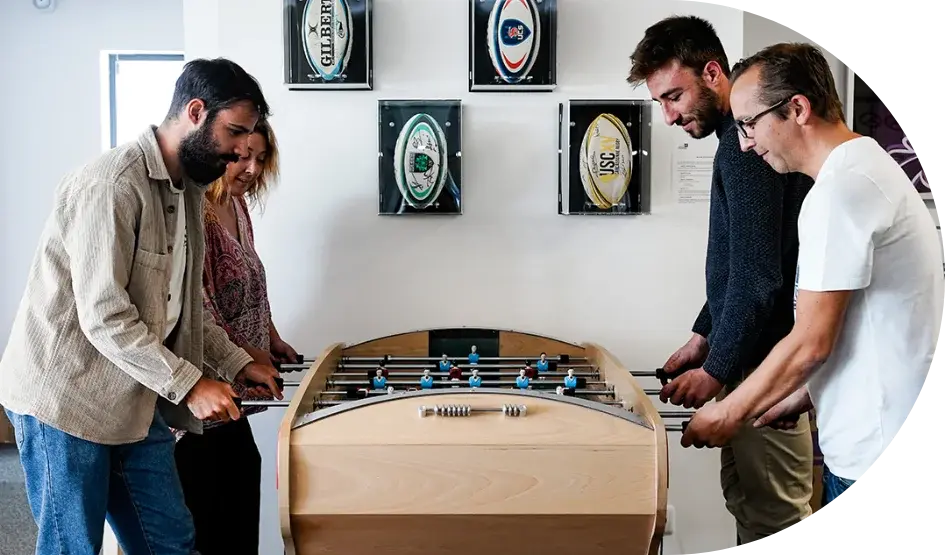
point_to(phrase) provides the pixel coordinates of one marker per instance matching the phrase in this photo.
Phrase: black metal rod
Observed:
(676, 414)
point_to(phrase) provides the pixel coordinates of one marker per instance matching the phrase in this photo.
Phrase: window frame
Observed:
(111, 60)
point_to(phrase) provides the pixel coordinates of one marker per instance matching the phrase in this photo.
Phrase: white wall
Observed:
(51, 99)
(634, 284)
(761, 32)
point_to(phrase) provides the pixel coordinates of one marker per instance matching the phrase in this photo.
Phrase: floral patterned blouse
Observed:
(234, 287)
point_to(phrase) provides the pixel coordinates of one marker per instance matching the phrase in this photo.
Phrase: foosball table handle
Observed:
(280, 383)
(665, 377)
(467, 410)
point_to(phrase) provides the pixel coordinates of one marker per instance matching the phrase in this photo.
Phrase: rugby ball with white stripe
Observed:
(326, 33)
(420, 161)
(513, 37)
(606, 161)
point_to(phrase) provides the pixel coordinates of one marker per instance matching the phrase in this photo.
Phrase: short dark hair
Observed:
(689, 39)
(790, 68)
(219, 83)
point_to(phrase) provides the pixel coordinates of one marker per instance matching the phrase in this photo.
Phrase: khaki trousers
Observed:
(767, 477)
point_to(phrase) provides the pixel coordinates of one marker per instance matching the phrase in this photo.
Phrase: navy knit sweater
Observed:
(751, 258)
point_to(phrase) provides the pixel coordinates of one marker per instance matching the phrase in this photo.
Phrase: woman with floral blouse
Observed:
(220, 470)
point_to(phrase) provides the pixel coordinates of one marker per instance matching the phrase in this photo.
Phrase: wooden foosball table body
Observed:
(369, 469)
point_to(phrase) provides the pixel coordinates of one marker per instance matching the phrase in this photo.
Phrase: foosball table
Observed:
(471, 441)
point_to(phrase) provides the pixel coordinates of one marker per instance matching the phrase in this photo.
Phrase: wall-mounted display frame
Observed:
(420, 157)
(604, 157)
(513, 45)
(328, 44)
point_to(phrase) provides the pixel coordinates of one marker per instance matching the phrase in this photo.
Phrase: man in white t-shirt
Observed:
(868, 304)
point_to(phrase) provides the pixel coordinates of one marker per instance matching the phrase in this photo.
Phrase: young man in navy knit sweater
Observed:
(766, 473)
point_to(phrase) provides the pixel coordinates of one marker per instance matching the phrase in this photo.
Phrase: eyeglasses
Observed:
(749, 123)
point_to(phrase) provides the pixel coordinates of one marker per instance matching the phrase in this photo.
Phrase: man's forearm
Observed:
(785, 370)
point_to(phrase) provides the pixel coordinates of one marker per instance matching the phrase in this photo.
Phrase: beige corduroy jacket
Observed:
(86, 353)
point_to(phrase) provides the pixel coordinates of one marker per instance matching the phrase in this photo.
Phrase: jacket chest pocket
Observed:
(148, 288)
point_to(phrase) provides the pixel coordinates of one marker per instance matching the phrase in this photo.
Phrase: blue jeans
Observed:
(74, 485)
(834, 486)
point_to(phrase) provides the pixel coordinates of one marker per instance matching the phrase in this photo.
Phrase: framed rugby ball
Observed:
(604, 157)
(328, 44)
(512, 45)
(420, 157)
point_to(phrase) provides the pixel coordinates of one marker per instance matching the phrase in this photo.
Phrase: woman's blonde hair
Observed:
(267, 177)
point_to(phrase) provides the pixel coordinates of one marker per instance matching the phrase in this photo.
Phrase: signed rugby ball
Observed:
(514, 37)
(326, 34)
(606, 161)
(420, 161)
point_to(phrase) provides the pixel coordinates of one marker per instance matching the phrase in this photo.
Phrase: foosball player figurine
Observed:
(543, 363)
(444, 364)
(570, 382)
(380, 382)
(529, 371)
(475, 380)
(426, 382)
(473, 356)
(455, 373)
(522, 380)
(381, 367)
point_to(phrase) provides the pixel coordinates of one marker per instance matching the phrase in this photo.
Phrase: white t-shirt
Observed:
(864, 227)
(178, 265)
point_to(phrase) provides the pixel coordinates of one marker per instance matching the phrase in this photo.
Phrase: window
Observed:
(139, 88)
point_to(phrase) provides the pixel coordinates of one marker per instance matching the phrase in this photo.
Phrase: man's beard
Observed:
(707, 113)
(200, 157)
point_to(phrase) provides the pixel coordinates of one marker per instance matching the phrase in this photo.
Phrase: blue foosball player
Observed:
(543, 363)
(380, 382)
(444, 364)
(570, 382)
(475, 380)
(426, 382)
(473, 356)
(522, 380)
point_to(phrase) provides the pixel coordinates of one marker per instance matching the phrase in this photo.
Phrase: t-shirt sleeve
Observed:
(842, 219)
